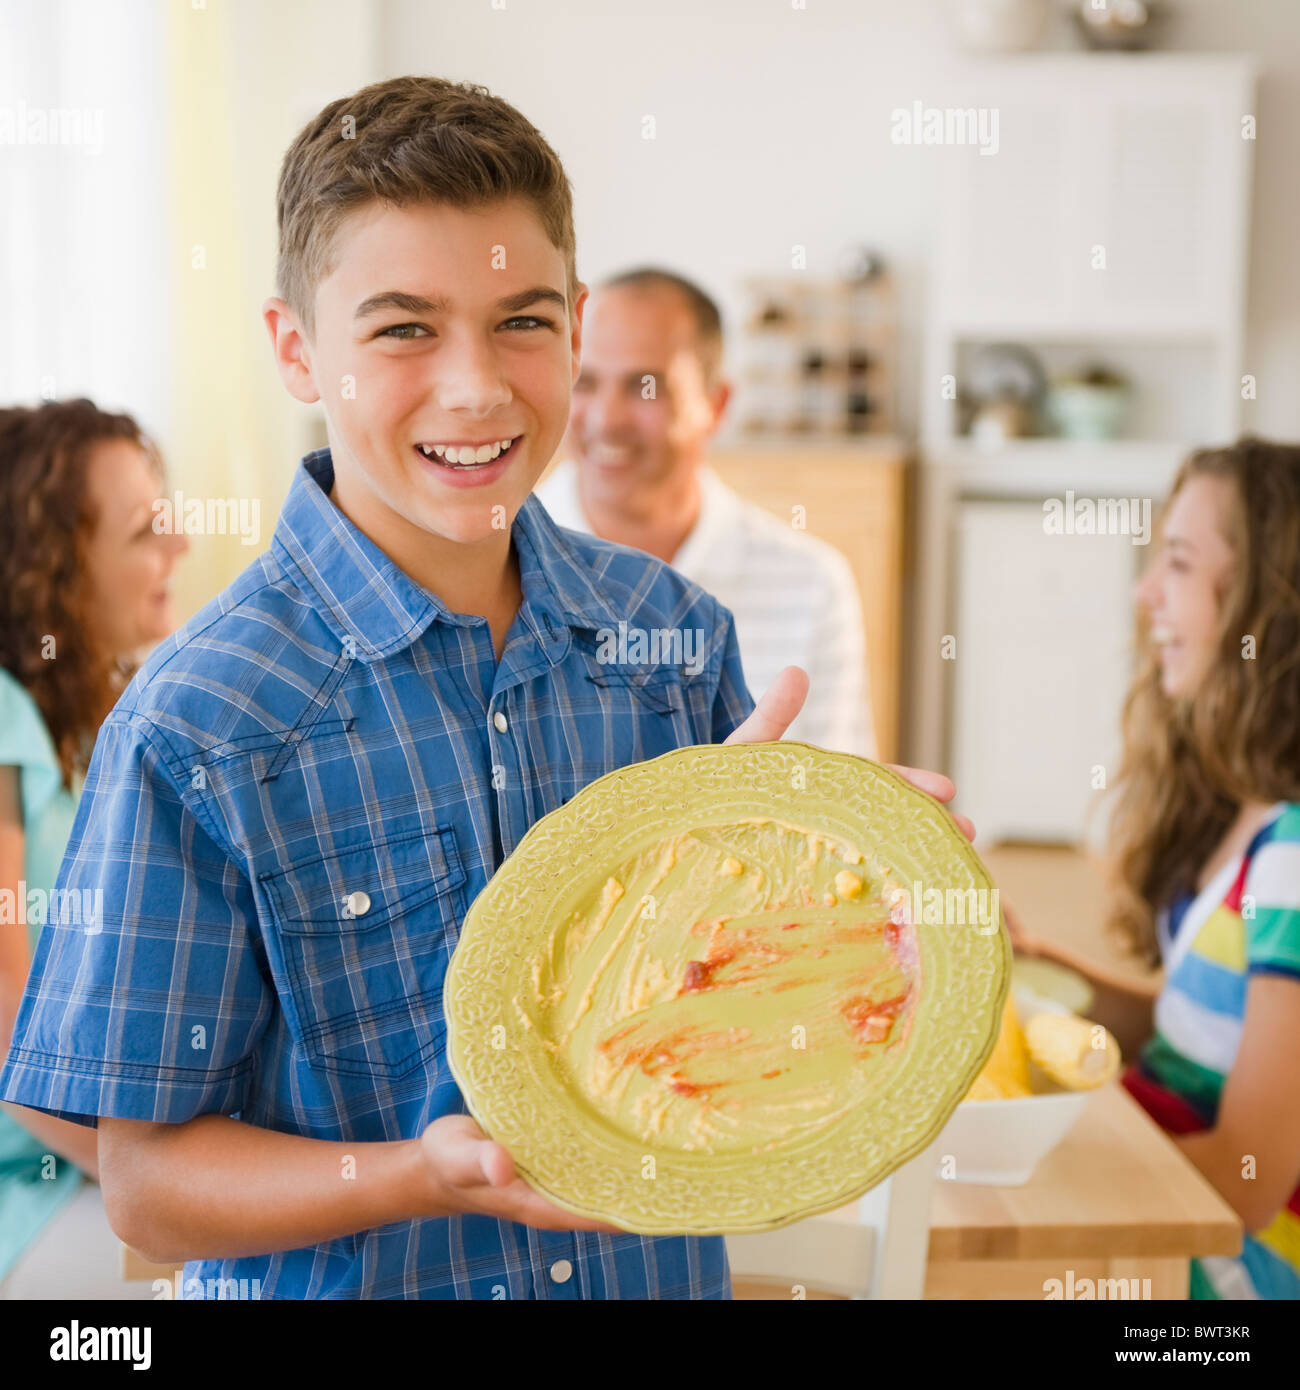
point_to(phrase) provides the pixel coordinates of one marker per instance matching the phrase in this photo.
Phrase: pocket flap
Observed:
(360, 888)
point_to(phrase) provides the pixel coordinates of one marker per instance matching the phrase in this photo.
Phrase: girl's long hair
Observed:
(47, 641)
(1189, 764)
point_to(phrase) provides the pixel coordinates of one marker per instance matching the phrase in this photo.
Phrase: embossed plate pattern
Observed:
(706, 995)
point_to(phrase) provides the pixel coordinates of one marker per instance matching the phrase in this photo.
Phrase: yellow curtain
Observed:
(243, 77)
(212, 443)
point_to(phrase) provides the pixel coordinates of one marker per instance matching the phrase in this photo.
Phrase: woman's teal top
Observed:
(34, 1183)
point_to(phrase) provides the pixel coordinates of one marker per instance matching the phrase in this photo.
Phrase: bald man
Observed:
(649, 399)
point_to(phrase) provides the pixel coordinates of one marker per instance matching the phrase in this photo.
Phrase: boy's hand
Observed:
(470, 1173)
(775, 712)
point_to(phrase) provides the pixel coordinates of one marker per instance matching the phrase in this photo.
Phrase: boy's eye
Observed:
(398, 330)
(406, 332)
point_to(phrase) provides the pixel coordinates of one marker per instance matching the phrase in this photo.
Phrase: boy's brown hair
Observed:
(406, 141)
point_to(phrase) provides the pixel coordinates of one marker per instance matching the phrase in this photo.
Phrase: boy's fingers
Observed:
(497, 1167)
(784, 698)
(535, 1210)
(775, 712)
(469, 1158)
(934, 784)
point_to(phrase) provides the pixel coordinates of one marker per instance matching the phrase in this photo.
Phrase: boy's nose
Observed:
(471, 381)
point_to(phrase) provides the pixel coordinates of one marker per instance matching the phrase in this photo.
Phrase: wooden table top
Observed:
(1115, 1186)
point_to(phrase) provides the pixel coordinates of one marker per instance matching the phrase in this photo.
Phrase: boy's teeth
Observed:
(461, 456)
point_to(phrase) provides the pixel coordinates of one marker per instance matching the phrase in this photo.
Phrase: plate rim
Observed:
(853, 1190)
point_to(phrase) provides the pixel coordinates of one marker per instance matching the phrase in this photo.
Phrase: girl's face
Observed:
(1183, 585)
(129, 562)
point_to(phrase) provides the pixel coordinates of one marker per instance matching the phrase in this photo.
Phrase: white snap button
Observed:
(561, 1271)
(499, 720)
(356, 904)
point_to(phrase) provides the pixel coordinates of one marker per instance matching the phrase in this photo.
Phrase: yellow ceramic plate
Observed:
(727, 988)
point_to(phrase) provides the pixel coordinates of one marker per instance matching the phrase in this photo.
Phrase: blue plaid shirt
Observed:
(322, 733)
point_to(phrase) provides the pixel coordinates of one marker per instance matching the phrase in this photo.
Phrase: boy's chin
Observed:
(470, 523)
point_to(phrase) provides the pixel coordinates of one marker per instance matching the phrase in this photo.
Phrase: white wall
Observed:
(82, 305)
(773, 129)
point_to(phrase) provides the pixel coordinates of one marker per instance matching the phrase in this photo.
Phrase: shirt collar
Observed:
(712, 547)
(370, 601)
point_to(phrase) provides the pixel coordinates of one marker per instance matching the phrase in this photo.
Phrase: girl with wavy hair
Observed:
(1204, 847)
(83, 588)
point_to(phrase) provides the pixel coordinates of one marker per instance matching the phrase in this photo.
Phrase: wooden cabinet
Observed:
(853, 497)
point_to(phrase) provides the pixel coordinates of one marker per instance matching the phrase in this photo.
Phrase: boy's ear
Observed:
(579, 305)
(291, 349)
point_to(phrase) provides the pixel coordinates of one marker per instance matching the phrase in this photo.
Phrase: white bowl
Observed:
(1000, 1142)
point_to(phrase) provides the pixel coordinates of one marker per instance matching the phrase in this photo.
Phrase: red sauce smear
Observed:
(689, 1088)
(671, 1051)
(872, 1021)
(699, 973)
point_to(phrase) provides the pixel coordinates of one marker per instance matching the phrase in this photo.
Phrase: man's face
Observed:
(641, 411)
(442, 327)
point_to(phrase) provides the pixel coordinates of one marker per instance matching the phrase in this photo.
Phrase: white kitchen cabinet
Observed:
(1140, 157)
(1115, 200)
(1040, 664)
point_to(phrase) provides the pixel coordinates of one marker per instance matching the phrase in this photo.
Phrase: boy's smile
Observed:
(444, 357)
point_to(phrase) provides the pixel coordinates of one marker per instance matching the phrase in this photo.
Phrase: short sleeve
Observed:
(1271, 903)
(148, 992)
(732, 704)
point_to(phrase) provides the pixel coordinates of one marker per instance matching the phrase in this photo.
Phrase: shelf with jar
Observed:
(817, 355)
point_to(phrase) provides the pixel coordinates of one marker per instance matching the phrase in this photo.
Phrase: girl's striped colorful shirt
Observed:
(1246, 922)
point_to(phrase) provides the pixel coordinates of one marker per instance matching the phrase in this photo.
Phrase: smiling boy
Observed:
(294, 803)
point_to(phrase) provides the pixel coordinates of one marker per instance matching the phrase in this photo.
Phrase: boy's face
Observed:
(440, 327)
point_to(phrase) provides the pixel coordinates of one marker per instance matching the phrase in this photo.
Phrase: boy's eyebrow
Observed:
(419, 304)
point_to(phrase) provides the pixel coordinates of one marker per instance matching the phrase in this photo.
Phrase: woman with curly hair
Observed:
(83, 588)
(1204, 847)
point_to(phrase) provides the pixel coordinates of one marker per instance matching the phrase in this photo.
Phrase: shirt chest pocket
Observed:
(643, 713)
(365, 935)
(657, 690)
(643, 708)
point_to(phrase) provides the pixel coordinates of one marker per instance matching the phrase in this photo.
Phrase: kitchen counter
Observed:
(1115, 1200)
